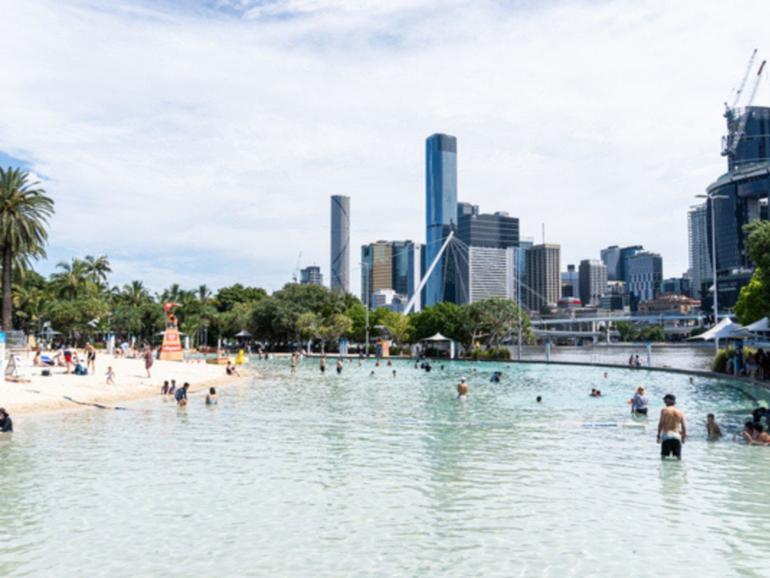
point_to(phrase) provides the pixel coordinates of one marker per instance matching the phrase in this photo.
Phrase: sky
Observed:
(199, 141)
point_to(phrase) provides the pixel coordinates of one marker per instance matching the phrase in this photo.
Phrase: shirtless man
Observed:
(672, 431)
(713, 430)
(462, 389)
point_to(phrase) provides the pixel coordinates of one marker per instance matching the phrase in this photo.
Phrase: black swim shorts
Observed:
(671, 446)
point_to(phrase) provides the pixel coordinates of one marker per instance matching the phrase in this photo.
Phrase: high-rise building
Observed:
(569, 283)
(311, 276)
(645, 274)
(520, 281)
(407, 268)
(376, 268)
(340, 244)
(625, 254)
(679, 285)
(700, 263)
(466, 209)
(441, 209)
(738, 197)
(611, 258)
(486, 260)
(416, 262)
(543, 267)
(593, 281)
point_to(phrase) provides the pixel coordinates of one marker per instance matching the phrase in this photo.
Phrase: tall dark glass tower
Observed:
(340, 244)
(441, 208)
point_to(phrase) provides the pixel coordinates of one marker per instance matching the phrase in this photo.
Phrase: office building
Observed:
(593, 281)
(644, 272)
(485, 258)
(416, 265)
(441, 211)
(614, 297)
(543, 279)
(520, 282)
(311, 276)
(611, 258)
(625, 254)
(569, 283)
(340, 244)
(679, 285)
(700, 273)
(376, 269)
(407, 269)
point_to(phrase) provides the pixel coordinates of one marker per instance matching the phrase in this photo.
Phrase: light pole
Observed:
(712, 197)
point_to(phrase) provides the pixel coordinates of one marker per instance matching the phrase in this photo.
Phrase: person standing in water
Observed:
(713, 430)
(339, 365)
(322, 364)
(294, 363)
(6, 425)
(211, 397)
(672, 431)
(639, 402)
(462, 389)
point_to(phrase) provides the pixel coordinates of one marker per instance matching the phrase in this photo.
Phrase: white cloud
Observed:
(200, 146)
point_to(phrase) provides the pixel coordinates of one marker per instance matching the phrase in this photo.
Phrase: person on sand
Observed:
(38, 360)
(90, 357)
(713, 431)
(68, 359)
(672, 431)
(211, 397)
(639, 403)
(462, 389)
(181, 394)
(149, 359)
(6, 424)
(110, 376)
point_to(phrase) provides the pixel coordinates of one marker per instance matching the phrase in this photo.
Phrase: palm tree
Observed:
(96, 268)
(24, 213)
(71, 279)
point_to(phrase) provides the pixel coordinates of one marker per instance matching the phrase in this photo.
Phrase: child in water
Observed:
(211, 397)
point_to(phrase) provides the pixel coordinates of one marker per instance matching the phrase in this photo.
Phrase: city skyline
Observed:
(185, 147)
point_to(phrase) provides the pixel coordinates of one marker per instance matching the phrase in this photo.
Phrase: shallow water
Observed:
(326, 475)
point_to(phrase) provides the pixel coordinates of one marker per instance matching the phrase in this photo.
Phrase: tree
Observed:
(752, 304)
(24, 213)
(398, 326)
(335, 327)
(71, 279)
(96, 269)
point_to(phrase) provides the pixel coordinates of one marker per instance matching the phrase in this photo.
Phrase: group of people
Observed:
(634, 361)
(68, 358)
(753, 364)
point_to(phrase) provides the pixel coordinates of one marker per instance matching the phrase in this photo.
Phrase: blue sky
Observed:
(199, 142)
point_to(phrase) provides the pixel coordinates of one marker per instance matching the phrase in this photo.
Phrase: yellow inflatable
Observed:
(240, 359)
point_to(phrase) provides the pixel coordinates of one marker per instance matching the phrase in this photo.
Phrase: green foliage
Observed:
(753, 303)
(630, 332)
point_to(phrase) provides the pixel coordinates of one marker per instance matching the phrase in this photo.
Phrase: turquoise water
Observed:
(352, 475)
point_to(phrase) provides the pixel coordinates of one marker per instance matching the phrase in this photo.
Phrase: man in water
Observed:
(672, 431)
(712, 428)
(6, 425)
(462, 389)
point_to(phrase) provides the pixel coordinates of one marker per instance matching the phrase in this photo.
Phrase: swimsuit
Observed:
(671, 444)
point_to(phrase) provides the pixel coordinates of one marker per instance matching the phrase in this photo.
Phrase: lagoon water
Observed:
(354, 475)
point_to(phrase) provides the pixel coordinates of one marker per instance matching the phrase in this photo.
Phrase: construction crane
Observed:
(739, 134)
(730, 108)
(295, 276)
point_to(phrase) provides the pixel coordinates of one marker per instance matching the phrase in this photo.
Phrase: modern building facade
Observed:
(543, 279)
(738, 197)
(340, 243)
(311, 276)
(625, 254)
(593, 281)
(441, 209)
(700, 273)
(407, 269)
(644, 272)
(570, 286)
(678, 285)
(611, 258)
(376, 269)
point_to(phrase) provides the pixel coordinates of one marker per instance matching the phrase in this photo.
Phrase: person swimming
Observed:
(211, 397)
(462, 389)
(539, 399)
(496, 376)
(713, 431)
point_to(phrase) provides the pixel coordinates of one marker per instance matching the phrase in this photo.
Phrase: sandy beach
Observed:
(50, 393)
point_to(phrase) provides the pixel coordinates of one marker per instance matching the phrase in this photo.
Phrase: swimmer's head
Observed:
(640, 390)
(539, 399)
(669, 399)
(212, 391)
(462, 380)
(710, 417)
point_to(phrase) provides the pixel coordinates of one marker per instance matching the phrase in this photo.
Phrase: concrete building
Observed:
(441, 210)
(645, 274)
(376, 268)
(491, 273)
(593, 282)
(543, 275)
(678, 285)
(311, 276)
(340, 244)
(611, 258)
(700, 273)
(570, 287)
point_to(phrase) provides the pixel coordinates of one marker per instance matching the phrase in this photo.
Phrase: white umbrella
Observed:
(760, 326)
(725, 329)
(437, 337)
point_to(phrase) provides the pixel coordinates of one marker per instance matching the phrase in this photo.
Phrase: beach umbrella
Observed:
(761, 326)
(243, 334)
(725, 329)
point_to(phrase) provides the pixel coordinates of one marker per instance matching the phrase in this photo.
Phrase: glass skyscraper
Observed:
(441, 208)
(340, 243)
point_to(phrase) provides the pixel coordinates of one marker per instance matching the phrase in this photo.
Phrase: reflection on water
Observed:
(328, 475)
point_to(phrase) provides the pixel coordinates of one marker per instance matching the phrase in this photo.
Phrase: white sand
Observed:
(45, 394)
